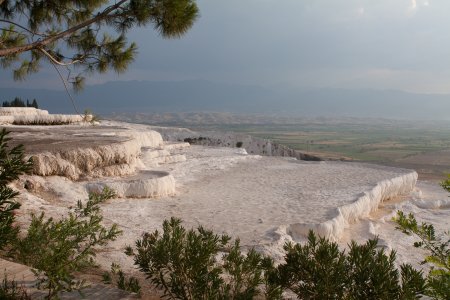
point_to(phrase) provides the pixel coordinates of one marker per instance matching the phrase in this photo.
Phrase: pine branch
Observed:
(55, 61)
(22, 27)
(50, 39)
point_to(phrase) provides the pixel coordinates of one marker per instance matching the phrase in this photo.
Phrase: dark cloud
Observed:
(400, 44)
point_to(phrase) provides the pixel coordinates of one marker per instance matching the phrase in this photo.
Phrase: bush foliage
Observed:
(10, 290)
(12, 165)
(439, 253)
(319, 270)
(446, 183)
(186, 264)
(118, 277)
(198, 264)
(58, 248)
(54, 248)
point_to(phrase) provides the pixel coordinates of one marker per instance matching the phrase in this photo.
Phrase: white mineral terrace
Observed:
(33, 116)
(265, 201)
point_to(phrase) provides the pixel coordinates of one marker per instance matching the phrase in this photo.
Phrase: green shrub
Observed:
(316, 270)
(89, 116)
(10, 290)
(185, 264)
(58, 248)
(374, 275)
(12, 165)
(446, 183)
(319, 270)
(118, 276)
(54, 248)
(239, 144)
(439, 253)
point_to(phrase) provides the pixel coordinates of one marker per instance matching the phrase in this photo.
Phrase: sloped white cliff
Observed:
(33, 116)
(152, 157)
(88, 161)
(145, 137)
(253, 145)
(367, 203)
(27, 111)
(113, 159)
(146, 184)
(55, 119)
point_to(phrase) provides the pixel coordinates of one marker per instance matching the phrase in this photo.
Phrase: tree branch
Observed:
(66, 88)
(21, 27)
(50, 39)
(13, 31)
(54, 60)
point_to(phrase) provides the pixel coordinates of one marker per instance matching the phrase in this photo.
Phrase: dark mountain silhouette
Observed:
(201, 95)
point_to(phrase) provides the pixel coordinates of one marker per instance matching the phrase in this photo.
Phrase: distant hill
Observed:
(201, 95)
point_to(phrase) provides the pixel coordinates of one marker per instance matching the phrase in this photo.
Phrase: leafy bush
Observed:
(239, 144)
(319, 270)
(446, 183)
(316, 270)
(438, 247)
(186, 264)
(12, 165)
(58, 248)
(118, 276)
(89, 116)
(54, 248)
(9, 290)
(374, 275)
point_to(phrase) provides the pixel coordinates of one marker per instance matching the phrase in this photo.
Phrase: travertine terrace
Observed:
(33, 116)
(263, 200)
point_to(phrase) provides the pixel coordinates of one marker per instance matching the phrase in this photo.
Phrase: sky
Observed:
(355, 44)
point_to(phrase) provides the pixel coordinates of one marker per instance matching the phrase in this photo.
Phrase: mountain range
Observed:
(207, 96)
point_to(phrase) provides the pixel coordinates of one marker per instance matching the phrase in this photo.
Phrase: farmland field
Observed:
(424, 147)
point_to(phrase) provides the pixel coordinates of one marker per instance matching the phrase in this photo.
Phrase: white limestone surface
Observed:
(255, 198)
(113, 159)
(47, 119)
(151, 157)
(145, 184)
(29, 111)
(105, 160)
(253, 145)
(365, 204)
(33, 116)
(428, 202)
(6, 120)
(264, 201)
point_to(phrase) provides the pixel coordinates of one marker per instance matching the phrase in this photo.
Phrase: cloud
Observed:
(412, 9)
(414, 4)
(360, 12)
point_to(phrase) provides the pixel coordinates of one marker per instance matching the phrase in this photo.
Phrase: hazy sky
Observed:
(380, 44)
